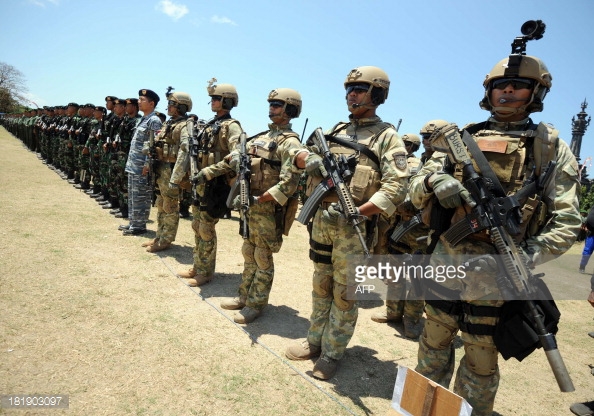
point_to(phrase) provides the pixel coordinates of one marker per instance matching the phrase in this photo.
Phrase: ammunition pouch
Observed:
(515, 334)
(214, 201)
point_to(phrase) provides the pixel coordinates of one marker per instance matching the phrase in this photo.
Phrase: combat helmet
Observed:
(290, 97)
(376, 78)
(182, 100)
(227, 92)
(412, 138)
(431, 126)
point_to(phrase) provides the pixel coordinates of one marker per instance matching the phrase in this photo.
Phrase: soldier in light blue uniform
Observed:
(139, 191)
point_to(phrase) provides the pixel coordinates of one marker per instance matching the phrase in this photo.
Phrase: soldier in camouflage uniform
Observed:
(137, 166)
(82, 178)
(401, 306)
(94, 147)
(272, 208)
(216, 139)
(104, 141)
(123, 140)
(167, 145)
(111, 145)
(378, 185)
(515, 148)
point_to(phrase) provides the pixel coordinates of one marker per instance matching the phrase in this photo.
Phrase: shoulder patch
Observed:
(400, 161)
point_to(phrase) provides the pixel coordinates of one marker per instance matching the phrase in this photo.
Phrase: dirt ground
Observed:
(87, 312)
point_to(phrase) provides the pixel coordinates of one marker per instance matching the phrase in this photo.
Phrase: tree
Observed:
(12, 88)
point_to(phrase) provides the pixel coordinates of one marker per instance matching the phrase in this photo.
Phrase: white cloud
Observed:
(222, 20)
(171, 9)
(42, 3)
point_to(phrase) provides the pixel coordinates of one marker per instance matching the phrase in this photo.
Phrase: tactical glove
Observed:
(234, 161)
(450, 192)
(199, 178)
(331, 215)
(253, 200)
(314, 165)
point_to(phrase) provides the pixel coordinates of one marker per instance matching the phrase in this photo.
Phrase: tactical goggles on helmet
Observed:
(516, 83)
(276, 103)
(216, 97)
(171, 103)
(357, 87)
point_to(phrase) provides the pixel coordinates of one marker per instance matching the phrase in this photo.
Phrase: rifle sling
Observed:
(482, 163)
(355, 146)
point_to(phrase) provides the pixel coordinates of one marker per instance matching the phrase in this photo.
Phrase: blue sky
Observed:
(436, 53)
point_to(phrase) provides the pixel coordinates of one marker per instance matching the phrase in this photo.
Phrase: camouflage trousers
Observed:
(265, 238)
(167, 206)
(399, 301)
(477, 378)
(333, 316)
(139, 200)
(205, 241)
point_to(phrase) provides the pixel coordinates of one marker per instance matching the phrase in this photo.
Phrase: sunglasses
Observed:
(276, 104)
(357, 88)
(171, 103)
(516, 83)
(216, 97)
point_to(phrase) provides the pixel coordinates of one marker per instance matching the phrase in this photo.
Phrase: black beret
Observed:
(110, 98)
(149, 94)
(88, 105)
(132, 101)
(100, 108)
(120, 101)
(73, 105)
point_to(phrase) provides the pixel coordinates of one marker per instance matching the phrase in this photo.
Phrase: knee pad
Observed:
(263, 258)
(438, 336)
(322, 285)
(206, 231)
(247, 250)
(481, 359)
(340, 297)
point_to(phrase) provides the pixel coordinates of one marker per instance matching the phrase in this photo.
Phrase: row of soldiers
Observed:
(86, 145)
(383, 186)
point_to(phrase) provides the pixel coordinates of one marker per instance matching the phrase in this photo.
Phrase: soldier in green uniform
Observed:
(274, 180)
(123, 140)
(515, 148)
(378, 185)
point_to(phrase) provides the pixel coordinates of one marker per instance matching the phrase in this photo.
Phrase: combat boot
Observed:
(303, 350)
(384, 317)
(198, 280)
(123, 212)
(158, 246)
(412, 329)
(233, 303)
(114, 211)
(325, 368)
(246, 315)
(149, 243)
(189, 274)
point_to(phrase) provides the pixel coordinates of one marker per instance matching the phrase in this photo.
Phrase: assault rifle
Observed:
(338, 173)
(245, 175)
(500, 214)
(193, 150)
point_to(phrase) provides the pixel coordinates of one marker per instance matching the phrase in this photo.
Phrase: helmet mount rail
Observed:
(531, 30)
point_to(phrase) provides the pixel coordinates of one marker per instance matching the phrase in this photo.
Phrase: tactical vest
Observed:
(265, 160)
(366, 178)
(169, 140)
(215, 143)
(514, 156)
